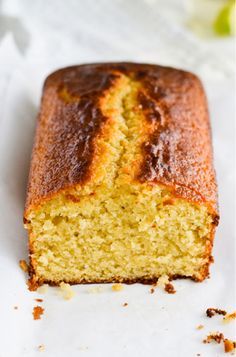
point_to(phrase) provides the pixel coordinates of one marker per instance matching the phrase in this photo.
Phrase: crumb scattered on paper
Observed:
(200, 327)
(229, 345)
(117, 287)
(152, 291)
(125, 304)
(230, 317)
(37, 312)
(15, 307)
(23, 265)
(169, 288)
(67, 291)
(83, 348)
(42, 289)
(218, 337)
(39, 300)
(164, 282)
(95, 289)
(211, 311)
(41, 348)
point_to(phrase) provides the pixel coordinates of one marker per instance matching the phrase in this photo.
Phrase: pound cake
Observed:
(122, 186)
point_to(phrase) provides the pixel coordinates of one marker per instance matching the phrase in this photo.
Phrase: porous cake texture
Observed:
(122, 186)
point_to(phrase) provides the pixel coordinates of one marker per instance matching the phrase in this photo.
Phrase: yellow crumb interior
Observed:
(116, 228)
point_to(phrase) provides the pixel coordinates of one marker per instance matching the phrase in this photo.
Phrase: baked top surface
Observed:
(177, 151)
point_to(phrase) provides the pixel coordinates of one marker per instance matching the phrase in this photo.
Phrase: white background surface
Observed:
(37, 37)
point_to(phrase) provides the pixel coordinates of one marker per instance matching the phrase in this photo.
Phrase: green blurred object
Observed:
(208, 18)
(225, 22)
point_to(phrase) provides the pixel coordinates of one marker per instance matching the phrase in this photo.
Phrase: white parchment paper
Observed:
(37, 37)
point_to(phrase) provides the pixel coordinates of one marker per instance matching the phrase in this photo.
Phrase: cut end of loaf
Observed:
(125, 222)
(120, 235)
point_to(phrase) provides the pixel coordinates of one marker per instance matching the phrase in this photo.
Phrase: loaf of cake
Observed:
(122, 186)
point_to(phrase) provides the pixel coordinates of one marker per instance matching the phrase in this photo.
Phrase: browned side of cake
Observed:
(174, 155)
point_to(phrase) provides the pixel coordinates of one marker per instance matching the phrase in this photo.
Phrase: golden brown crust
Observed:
(64, 142)
(34, 282)
(178, 153)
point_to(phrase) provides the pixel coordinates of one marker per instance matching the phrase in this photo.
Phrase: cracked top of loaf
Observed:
(73, 138)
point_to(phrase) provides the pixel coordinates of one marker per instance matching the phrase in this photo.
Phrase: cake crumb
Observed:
(200, 327)
(218, 337)
(117, 287)
(152, 291)
(15, 307)
(67, 291)
(211, 311)
(230, 317)
(162, 281)
(95, 289)
(42, 289)
(41, 348)
(37, 312)
(32, 284)
(229, 345)
(23, 265)
(83, 348)
(39, 300)
(125, 304)
(169, 288)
